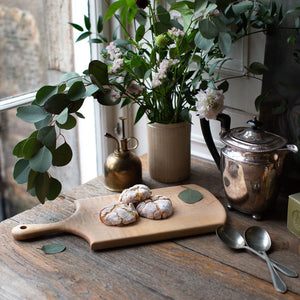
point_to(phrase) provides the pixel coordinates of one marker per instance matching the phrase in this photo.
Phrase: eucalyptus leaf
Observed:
(70, 78)
(31, 113)
(57, 103)
(242, 7)
(208, 29)
(54, 189)
(203, 43)
(77, 91)
(43, 123)
(62, 155)
(41, 162)
(63, 116)
(31, 147)
(90, 90)
(53, 248)
(42, 186)
(71, 123)
(225, 42)
(257, 68)
(47, 136)
(44, 93)
(18, 149)
(163, 15)
(31, 180)
(99, 71)
(21, 171)
(190, 196)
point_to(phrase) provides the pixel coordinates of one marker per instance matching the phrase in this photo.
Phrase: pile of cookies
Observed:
(134, 202)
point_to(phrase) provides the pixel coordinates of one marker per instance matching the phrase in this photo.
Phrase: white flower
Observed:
(175, 33)
(162, 71)
(113, 51)
(114, 95)
(117, 66)
(209, 103)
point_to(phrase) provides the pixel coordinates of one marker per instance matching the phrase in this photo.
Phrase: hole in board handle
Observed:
(23, 227)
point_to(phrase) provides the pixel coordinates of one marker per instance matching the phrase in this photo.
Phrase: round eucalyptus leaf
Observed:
(242, 7)
(53, 248)
(31, 180)
(42, 185)
(21, 171)
(203, 43)
(99, 71)
(190, 196)
(44, 93)
(71, 123)
(31, 113)
(90, 90)
(75, 106)
(47, 136)
(43, 123)
(76, 91)
(63, 116)
(57, 103)
(208, 29)
(70, 78)
(225, 42)
(62, 155)
(31, 147)
(41, 162)
(18, 149)
(54, 189)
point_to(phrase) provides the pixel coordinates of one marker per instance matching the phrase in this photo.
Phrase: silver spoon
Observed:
(233, 239)
(258, 239)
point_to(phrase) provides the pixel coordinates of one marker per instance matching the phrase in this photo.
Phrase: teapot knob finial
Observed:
(255, 124)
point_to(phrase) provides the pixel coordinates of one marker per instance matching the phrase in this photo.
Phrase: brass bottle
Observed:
(122, 168)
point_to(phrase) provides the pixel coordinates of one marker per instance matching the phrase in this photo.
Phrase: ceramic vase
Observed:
(169, 151)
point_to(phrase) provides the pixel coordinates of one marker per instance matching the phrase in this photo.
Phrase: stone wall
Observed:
(36, 48)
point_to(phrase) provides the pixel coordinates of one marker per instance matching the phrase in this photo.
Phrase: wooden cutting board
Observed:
(188, 219)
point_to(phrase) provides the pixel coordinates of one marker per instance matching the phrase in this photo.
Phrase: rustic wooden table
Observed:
(198, 267)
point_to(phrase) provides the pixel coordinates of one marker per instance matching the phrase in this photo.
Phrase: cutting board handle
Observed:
(29, 231)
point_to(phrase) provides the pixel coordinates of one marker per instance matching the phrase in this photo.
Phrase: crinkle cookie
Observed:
(118, 214)
(135, 194)
(157, 207)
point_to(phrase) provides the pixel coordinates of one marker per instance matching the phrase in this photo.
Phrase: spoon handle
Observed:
(283, 269)
(279, 285)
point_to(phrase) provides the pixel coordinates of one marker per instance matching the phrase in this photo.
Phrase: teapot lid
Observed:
(253, 138)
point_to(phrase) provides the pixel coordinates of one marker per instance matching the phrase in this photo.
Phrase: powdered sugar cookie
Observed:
(157, 207)
(118, 214)
(135, 194)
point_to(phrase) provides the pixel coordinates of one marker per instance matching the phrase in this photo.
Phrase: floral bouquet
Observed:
(166, 59)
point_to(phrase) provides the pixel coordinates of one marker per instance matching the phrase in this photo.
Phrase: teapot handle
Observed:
(205, 127)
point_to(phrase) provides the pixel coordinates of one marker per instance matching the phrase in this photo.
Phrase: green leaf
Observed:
(223, 86)
(79, 115)
(62, 155)
(141, 17)
(186, 13)
(76, 91)
(225, 42)
(21, 171)
(42, 185)
(200, 5)
(163, 15)
(90, 90)
(41, 162)
(100, 24)
(75, 106)
(47, 136)
(31, 113)
(54, 189)
(44, 93)
(190, 196)
(76, 26)
(203, 43)
(31, 147)
(87, 23)
(113, 9)
(57, 103)
(98, 72)
(70, 78)
(31, 180)
(71, 123)
(242, 7)
(83, 36)
(140, 33)
(18, 149)
(43, 123)
(139, 114)
(131, 13)
(63, 116)
(208, 29)
(53, 248)
(257, 68)
(95, 41)
(260, 100)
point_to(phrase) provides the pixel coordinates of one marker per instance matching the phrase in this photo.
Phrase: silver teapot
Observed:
(250, 163)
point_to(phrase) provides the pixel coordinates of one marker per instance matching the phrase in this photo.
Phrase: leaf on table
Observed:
(53, 248)
(190, 196)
